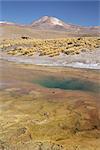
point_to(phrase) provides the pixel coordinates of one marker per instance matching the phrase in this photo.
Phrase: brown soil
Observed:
(33, 117)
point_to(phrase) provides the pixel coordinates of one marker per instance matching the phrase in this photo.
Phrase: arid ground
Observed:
(50, 108)
(36, 117)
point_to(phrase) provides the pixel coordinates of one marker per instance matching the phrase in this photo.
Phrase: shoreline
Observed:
(86, 60)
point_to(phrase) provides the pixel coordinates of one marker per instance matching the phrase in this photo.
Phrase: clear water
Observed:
(68, 84)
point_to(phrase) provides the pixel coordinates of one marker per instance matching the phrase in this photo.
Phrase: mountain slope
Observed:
(46, 27)
(47, 22)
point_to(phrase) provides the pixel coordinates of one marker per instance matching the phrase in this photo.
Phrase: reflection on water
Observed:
(68, 84)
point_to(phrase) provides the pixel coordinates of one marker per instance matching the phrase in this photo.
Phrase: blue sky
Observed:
(84, 13)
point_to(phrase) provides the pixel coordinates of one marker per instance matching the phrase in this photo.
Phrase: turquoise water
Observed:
(68, 84)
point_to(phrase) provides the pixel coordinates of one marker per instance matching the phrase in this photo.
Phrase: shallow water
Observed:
(68, 84)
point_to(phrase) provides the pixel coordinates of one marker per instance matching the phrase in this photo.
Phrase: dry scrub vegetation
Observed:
(49, 47)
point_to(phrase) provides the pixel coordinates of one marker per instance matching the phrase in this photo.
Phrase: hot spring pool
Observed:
(67, 84)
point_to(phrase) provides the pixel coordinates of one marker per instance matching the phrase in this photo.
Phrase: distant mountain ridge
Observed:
(52, 23)
(49, 23)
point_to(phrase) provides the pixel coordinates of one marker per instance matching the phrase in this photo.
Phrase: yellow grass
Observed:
(50, 47)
